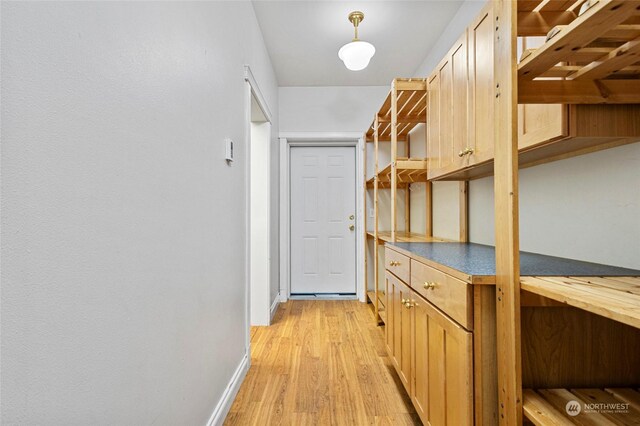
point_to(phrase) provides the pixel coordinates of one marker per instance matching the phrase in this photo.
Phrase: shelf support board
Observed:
(579, 92)
(506, 214)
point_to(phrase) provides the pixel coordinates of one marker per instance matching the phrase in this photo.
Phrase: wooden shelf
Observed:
(409, 170)
(383, 316)
(549, 406)
(402, 237)
(592, 58)
(371, 295)
(412, 110)
(406, 237)
(616, 298)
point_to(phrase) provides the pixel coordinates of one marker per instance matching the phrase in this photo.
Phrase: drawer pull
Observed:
(429, 286)
(467, 151)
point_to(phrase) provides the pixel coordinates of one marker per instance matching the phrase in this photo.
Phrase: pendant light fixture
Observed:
(357, 54)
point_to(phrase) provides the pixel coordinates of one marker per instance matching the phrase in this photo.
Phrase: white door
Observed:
(323, 210)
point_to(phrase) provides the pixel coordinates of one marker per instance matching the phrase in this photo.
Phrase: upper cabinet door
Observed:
(459, 102)
(481, 87)
(540, 123)
(446, 111)
(433, 125)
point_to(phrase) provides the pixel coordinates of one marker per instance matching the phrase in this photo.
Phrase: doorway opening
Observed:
(261, 286)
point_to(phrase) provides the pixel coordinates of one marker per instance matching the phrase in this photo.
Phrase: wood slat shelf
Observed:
(409, 170)
(402, 237)
(412, 110)
(406, 237)
(591, 58)
(552, 406)
(616, 298)
(383, 316)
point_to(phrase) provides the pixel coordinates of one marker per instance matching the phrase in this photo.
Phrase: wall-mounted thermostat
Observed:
(228, 150)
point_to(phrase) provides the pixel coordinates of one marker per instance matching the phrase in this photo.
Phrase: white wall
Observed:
(585, 207)
(329, 109)
(463, 17)
(123, 229)
(260, 288)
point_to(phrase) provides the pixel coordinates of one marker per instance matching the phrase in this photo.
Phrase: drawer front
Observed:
(452, 296)
(398, 264)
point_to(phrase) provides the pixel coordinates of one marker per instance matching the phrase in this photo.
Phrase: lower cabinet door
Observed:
(442, 367)
(390, 307)
(398, 328)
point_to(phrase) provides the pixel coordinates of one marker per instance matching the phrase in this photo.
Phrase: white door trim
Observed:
(287, 140)
(251, 89)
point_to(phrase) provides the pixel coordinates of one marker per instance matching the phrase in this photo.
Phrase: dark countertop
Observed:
(480, 260)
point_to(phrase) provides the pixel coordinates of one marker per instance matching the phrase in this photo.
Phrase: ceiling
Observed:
(303, 38)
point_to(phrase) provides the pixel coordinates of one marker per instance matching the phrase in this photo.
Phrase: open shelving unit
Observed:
(591, 56)
(402, 110)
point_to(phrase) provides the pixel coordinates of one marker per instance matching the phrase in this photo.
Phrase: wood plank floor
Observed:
(321, 363)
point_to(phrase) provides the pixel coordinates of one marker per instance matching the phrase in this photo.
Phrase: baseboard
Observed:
(224, 405)
(274, 307)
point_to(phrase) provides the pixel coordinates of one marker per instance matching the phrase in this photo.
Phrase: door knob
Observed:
(352, 227)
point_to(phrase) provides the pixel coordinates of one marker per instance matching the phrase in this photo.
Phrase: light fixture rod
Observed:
(355, 18)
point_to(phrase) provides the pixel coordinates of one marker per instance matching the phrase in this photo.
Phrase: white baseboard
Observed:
(274, 307)
(224, 405)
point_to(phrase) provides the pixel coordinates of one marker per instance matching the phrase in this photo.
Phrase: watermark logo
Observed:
(573, 408)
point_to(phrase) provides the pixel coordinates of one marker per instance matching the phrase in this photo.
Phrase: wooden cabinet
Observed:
(460, 115)
(432, 353)
(451, 295)
(459, 102)
(442, 367)
(447, 120)
(398, 328)
(481, 88)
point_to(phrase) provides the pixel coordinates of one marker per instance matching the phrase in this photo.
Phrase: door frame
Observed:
(251, 89)
(318, 139)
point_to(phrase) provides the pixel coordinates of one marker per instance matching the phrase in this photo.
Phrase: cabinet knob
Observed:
(469, 151)
(408, 304)
(461, 153)
(429, 285)
(394, 263)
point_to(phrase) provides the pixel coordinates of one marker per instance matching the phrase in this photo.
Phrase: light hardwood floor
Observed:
(321, 363)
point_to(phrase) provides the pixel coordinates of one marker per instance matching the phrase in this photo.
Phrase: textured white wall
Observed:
(329, 109)
(259, 274)
(584, 208)
(123, 229)
(468, 11)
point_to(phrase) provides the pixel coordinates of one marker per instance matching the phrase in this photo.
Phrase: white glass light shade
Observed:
(356, 55)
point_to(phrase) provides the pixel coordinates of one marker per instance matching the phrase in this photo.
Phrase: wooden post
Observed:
(394, 158)
(506, 214)
(407, 192)
(375, 215)
(364, 218)
(464, 211)
(429, 208)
